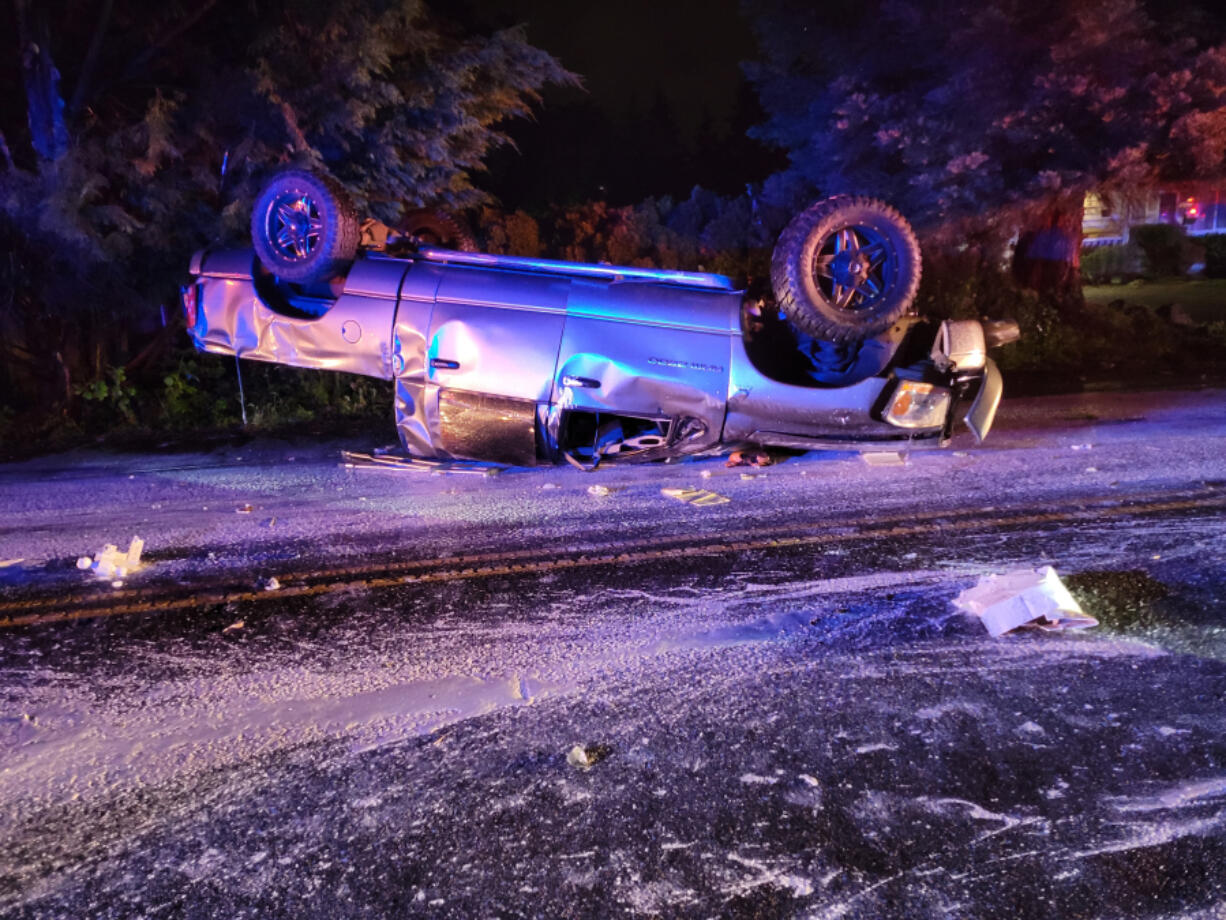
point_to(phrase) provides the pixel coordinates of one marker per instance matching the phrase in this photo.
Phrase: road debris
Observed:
(701, 497)
(234, 627)
(1023, 598)
(112, 565)
(379, 460)
(756, 458)
(5, 563)
(599, 490)
(270, 584)
(884, 458)
(584, 757)
(244, 509)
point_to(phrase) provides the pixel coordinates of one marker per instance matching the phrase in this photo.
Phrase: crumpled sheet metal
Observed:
(660, 372)
(413, 389)
(355, 335)
(624, 392)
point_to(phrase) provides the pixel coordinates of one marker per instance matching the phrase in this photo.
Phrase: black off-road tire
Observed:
(304, 227)
(846, 268)
(436, 228)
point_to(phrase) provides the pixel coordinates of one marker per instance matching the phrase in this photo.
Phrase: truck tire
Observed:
(304, 227)
(846, 268)
(429, 227)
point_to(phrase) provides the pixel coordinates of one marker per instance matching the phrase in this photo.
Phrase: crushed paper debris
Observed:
(701, 497)
(1024, 597)
(599, 490)
(111, 564)
(270, 584)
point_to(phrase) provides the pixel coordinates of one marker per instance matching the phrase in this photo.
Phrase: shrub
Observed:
(1215, 255)
(1101, 264)
(1163, 245)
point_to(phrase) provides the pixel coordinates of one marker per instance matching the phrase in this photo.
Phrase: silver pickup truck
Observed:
(527, 361)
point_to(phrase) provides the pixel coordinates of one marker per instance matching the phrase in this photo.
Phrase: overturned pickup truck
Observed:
(526, 361)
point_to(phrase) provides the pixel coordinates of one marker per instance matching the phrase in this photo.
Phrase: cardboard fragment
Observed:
(700, 497)
(1023, 598)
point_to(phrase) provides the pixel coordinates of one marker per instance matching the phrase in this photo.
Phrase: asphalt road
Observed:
(505, 696)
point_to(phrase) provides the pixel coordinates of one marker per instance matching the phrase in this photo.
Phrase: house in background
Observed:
(1198, 207)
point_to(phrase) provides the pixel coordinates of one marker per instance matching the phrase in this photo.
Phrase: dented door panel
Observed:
(496, 335)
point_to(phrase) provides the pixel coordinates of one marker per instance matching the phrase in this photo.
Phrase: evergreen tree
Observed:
(990, 116)
(143, 128)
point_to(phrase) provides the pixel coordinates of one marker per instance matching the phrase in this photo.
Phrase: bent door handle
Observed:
(444, 364)
(569, 381)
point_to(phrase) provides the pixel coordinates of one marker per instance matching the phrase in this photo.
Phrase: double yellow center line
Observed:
(398, 573)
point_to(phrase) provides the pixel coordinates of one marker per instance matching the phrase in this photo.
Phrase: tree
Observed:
(145, 127)
(987, 118)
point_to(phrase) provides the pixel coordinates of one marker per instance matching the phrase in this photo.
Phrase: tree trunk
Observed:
(81, 93)
(1047, 258)
(41, 79)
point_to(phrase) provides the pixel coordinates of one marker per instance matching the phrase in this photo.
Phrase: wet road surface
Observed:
(757, 709)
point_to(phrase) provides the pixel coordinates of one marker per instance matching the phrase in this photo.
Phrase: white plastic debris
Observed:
(599, 490)
(578, 757)
(111, 564)
(270, 583)
(1025, 597)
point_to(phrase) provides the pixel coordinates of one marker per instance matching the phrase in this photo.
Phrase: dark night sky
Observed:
(626, 51)
(665, 107)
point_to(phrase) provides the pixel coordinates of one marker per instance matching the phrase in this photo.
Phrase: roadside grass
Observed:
(1133, 604)
(1203, 299)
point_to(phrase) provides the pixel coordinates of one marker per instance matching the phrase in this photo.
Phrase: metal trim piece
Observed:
(868, 442)
(983, 410)
(553, 266)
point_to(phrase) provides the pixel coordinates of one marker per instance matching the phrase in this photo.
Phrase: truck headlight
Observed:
(918, 405)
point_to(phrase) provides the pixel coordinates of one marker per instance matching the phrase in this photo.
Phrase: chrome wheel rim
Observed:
(294, 226)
